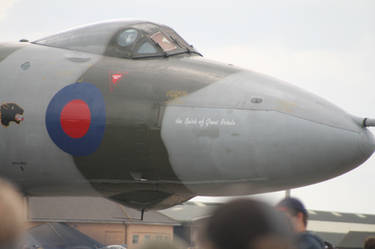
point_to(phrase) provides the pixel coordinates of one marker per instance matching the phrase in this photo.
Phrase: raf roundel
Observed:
(75, 119)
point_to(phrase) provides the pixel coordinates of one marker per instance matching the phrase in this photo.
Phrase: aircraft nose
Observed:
(306, 133)
(261, 131)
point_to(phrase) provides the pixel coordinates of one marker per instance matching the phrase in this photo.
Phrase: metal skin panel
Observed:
(28, 155)
(8, 48)
(158, 131)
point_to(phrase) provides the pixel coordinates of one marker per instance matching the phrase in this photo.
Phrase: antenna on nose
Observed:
(368, 122)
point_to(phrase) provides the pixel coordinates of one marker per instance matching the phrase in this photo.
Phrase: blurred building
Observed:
(57, 235)
(105, 221)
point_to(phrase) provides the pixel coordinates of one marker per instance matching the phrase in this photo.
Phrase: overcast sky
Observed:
(324, 46)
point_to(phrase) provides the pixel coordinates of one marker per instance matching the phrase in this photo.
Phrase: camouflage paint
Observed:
(132, 149)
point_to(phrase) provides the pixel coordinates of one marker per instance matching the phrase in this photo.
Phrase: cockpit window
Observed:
(121, 39)
(146, 48)
(127, 37)
(165, 43)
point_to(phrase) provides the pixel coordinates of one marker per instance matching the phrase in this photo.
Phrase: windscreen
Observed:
(121, 39)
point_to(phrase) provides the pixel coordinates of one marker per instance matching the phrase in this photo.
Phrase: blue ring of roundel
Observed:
(90, 142)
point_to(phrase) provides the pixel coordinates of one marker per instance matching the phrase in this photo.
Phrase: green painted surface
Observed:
(132, 148)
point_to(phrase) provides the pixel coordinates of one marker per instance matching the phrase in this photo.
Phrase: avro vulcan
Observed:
(129, 110)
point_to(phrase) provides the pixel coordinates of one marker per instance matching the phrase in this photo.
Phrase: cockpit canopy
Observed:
(122, 39)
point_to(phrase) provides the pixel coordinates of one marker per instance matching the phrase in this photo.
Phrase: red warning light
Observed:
(115, 78)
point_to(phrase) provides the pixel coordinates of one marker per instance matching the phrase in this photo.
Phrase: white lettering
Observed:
(204, 122)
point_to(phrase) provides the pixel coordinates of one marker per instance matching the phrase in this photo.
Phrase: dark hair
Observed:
(370, 243)
(240, 224)
(328, 245)
(294, 206)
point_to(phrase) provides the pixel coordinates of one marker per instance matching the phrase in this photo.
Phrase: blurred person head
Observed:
(12, 217)
(246, 224)
(369, 243)
(296, 211)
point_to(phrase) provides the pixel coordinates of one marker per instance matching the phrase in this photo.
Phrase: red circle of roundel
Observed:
(75, 118)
